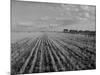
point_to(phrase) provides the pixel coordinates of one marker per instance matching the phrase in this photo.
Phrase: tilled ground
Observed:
(51, 54)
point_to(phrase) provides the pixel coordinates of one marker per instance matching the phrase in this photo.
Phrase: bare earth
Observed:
(51, 52)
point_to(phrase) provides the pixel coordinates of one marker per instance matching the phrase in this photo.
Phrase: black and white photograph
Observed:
(52, 37)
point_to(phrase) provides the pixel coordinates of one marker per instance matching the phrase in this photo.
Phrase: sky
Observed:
(41, 16)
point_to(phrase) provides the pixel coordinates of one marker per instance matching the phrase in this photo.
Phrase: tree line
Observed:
(86, 32)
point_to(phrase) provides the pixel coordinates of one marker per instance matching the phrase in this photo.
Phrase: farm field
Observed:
(41, 52)
(17, 36)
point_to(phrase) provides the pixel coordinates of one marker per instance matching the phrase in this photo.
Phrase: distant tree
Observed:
(87, 32)
(73, 31)
(80, 31)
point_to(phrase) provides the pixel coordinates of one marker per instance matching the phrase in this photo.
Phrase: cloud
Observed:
(45, 15)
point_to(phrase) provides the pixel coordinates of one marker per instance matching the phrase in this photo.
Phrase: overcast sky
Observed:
(51, 16)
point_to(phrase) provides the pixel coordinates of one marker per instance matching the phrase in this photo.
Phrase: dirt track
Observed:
(51, 53)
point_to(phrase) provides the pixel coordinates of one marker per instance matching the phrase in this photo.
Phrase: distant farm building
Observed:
(65, 30)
